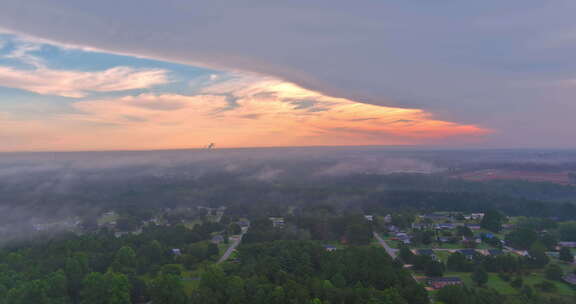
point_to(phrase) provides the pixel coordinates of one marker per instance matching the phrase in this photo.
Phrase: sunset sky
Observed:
(124, 75)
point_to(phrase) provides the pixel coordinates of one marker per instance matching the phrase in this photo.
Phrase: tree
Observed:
(492, 220)
(464, 231)
(566, 255)
(517, 282)
(479, 276)
(75, 270)
(521, 238)
(212, 250)
(554, 272)
(434, 269)
(234, 229)
(125, 260)
(458, 262)
(109, 288)
(167, 289)
(568, 231)
(358, 234)
(538, 254)
(57, 287)
(405, 254)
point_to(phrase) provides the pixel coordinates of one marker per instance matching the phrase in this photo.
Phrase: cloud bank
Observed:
(235, 113)
(479, 63)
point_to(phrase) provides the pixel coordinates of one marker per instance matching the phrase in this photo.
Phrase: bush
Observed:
(546, 286)
(505, 277)
(517, 283)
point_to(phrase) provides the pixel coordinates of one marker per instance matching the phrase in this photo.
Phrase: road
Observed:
(391, 251)
(231, 248)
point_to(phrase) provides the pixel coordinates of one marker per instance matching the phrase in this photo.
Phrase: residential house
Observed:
(567, 244)
(495, 252)
(570, 278)
(468, 253)
(217, 239)
(277, 222)
(388, 218)
(439, 283)
(427, 252)
(176, 251)
(473, 226)
(330, 247)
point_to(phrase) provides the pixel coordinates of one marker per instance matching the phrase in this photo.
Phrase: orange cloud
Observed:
(76, 83)
(245, 112)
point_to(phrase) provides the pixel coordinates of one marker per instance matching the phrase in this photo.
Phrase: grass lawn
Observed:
(503, 287)
(561, 287)
(442, 255)
(190, 224)
(105, 219)
(494, 282)
(223, 247)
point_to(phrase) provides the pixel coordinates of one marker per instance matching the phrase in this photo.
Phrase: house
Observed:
(446, 226)
(476, 216)
(217, 239)
(468, 253)
(176, 252)
(495, 252)
(439, 283)
(369, 217)
(488, 235)
(570, 278)
(567, 244)
(444, 239)
(244, 223)
(473, 226)
(393, 228)
(330, 247)
(435, 217)
(427, 252)
(406, 239)
(508, 226)
(277, 222)
(388, 218)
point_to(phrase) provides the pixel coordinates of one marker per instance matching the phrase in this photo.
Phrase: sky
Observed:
(130, 75)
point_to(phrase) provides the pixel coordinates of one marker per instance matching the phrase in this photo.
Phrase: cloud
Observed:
(266, 114)
(78, 84)
(454, 59)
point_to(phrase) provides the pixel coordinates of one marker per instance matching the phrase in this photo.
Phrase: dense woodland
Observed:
(55, 248)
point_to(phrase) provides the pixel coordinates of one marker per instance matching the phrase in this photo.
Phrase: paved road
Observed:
(391, 251)
(231, 249)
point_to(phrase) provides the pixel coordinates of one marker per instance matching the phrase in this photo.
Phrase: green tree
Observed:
(566, 255)
(568, 231)
(124, 260)
(492, 220)
(434, 269)
(57, 287)
(522, 238)
(479, 276)
(234, 229)
(538, 254)
(405, 254)
(167, 289)
(517, 282)
(358, 234)
(109, 288)
(554, 272)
